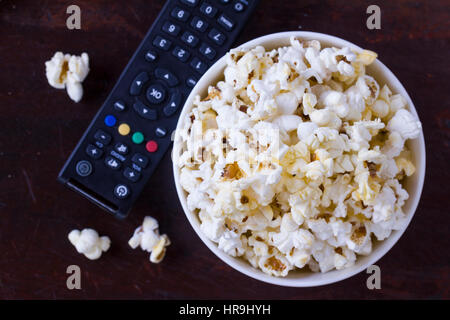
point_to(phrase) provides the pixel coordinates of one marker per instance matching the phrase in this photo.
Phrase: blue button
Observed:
(110, 120)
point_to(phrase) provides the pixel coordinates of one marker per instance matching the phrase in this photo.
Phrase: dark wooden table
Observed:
(40, 126)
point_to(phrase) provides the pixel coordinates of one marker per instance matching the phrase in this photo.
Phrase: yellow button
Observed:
(124, 129)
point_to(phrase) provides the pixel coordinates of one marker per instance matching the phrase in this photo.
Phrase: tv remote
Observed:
(131, 132)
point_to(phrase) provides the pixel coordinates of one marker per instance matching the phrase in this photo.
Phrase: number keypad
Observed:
(171, 28)
(162, 43)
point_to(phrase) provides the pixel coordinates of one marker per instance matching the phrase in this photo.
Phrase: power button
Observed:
(121, 191)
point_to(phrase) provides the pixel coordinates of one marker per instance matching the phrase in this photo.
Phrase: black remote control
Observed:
(131, 132)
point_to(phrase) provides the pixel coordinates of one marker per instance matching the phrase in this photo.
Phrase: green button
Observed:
(137, 137)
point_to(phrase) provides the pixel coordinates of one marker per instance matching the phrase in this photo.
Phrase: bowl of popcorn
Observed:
(299, 159)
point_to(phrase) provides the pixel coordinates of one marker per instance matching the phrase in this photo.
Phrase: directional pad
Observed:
(156, 93)
(138, 83)
(144, 111)
(166, 76)
(173, 105)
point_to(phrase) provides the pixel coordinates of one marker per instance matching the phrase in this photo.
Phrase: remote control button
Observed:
(110, 120)
(93, 151)
(121, 148)
(137, 137)
(112, 163)
(151, 146)
(144, 111)
(135, 167)
(190, 3)
(189, 39)
(171, 28)
(138, 83)
(162, 43)
(167, 76)
(118, 156)
(173, 105)
(226, 22)
(198, 65)
(181, 54)
(180, 14)
(83, 168)
(208, 10)
(131, 174)
(119, 106)
(207, 51)
(191, 82)
(151, 56)
(124, 129)
(217, 36)
(140, 160)
(238, 6)
(199, 24)
(156, 93)
(225, 1)
(121, 191)
(102, 137)
(160, 132)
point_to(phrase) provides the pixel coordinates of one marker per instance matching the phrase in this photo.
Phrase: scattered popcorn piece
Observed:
(148, 238)
(296, 159)
(89, 243)
(68, 71)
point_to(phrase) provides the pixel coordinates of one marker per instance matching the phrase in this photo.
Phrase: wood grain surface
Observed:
(40, 126)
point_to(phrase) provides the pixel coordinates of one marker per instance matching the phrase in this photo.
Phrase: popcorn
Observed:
(305, 130)
(405, 124)
(394, 145)
(325, 117)
(68, 71)
(230, 243)
(405, 165)
(367, 57)
(335, 101)
(276, 265)
(287, 103)
(296, 159)
(359, 240)
(148, 238)
(380, 108)
(287, 123)
(309, 101)
(384, 206)
(89, 243)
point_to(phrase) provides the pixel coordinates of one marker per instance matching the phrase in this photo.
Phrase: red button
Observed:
(151, 146)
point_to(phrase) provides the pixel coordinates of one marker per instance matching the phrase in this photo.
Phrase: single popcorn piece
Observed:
(89, 243)
(68, 71)
(296, 160)
(367, 57)
(148, 238)
(405, 124)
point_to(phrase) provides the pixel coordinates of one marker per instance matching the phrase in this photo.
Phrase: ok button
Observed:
(156, 94)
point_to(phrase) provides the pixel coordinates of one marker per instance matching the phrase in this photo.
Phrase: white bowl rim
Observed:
(334, 275)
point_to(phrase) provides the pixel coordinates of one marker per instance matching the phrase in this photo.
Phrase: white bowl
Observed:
(413, 185)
